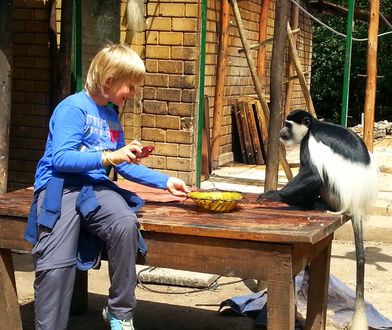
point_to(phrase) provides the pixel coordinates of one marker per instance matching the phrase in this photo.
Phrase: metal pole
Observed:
(347, 62)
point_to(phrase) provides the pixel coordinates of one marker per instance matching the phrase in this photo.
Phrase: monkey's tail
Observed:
(359, 321)
(135, 16)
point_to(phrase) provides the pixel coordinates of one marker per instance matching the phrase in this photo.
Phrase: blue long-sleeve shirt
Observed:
(79, 130)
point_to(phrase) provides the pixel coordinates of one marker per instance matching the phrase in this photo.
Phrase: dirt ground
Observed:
(177, 309)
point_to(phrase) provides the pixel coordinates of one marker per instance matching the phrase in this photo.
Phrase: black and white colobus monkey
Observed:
(336, 166)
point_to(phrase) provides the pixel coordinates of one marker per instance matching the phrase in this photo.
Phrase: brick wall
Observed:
(30, 91)
(164, 112)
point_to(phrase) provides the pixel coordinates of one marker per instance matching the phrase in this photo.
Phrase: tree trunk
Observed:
(276, 100)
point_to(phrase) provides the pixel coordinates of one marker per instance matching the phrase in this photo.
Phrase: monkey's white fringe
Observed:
(355, 186)
(135, 15)
(349, 187)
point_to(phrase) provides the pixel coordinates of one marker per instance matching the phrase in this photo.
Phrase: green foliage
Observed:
(328, 67)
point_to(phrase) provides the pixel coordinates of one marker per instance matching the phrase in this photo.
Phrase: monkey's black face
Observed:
(292, 133)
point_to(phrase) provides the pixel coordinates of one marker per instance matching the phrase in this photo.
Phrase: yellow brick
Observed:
(190, 39)
(184, 53)
(181, 109)
(154, 161)
(148, 120)
(185, 150)
(182, 164)
(155, 107)
(164, 121)
(168, 94)
(191, 10)
(182, 81)
(160, 52)
(159, 24)
(185, 24)
(153, 134)
(172, 10)
(152, 9)
(171, 66)
(171, 38)
(157, 80)
(166, 149)
(178, 136)
(152, 38)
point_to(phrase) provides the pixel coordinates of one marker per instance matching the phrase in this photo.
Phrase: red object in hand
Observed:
(146, 151)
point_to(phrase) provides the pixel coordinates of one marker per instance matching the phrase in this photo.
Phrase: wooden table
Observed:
(270, 242)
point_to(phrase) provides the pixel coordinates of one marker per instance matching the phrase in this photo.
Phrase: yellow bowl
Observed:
(216, 201)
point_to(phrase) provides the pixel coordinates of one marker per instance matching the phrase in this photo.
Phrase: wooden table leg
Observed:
(9, 306)
(281, 297)
(318, 289)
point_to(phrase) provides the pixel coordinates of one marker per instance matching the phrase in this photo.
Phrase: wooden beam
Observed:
(6, 11)
(371, 80)
(300, 74)
(290, 67)
(263, 39)
(220, 82)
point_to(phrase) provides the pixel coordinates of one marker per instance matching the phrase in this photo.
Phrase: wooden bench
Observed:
(269, 242)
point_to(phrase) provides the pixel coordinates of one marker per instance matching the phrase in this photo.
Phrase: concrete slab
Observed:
(168, 276)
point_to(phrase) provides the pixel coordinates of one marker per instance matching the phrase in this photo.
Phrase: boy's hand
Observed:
(126, 154)
(177, 187)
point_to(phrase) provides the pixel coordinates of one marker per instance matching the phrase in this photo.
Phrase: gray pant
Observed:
(55, 258)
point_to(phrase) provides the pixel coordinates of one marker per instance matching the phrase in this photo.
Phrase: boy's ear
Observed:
(108, 82)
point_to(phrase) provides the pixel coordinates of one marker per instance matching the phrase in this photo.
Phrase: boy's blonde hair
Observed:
(118, 62)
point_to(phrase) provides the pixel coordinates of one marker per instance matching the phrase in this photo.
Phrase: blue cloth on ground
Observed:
(340, 302)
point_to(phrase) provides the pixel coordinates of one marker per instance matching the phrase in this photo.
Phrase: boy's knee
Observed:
(125, 225)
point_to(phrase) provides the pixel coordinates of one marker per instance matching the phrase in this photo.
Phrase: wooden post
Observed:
(256, 81)
(276, 99)
(220, 82)
(6, 10)
(262, 38)
(64, 88)
(300, 74)
(290, 68)
(371, 68)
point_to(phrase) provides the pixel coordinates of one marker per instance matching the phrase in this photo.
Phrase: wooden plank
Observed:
(254, 134)
(290, 67)
(9, 307)
(250, 157)
(237, 116)
(263, 123)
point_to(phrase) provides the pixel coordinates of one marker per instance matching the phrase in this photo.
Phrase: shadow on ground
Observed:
(151, 316)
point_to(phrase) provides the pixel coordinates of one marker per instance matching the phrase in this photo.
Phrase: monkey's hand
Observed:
(272, 195)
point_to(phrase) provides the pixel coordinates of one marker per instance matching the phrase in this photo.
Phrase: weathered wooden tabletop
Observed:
(268, 222)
